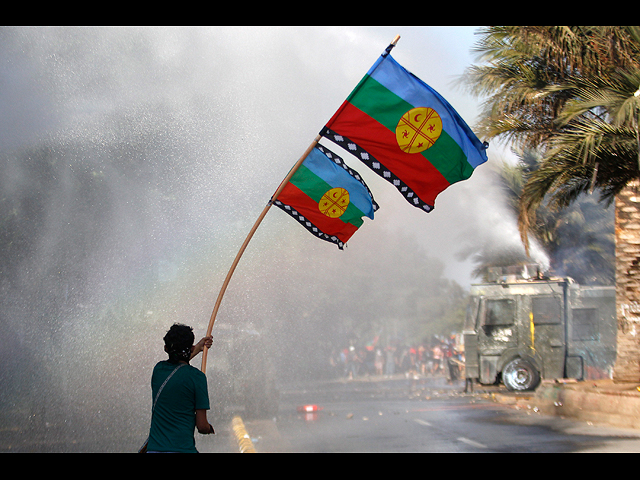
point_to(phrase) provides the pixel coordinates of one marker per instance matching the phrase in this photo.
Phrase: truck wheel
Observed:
(519, 375)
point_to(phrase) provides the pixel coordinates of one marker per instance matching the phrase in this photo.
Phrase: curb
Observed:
(600, 402)
(593, 402)
(244, 440)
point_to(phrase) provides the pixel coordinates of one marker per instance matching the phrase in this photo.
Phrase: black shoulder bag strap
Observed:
(143, 448)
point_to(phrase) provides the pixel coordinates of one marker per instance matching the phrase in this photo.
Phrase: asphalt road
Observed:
(414, 415)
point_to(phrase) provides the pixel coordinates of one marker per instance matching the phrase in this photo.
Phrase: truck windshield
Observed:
(472, 312)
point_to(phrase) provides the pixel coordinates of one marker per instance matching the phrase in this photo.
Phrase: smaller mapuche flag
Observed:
(406, 132)
(327, 197)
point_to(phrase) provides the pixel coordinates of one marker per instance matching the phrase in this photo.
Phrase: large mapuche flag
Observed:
(327, 197)
(406, 132)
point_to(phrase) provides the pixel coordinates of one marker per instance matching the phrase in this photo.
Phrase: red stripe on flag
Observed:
(413, 169)
(306, 206)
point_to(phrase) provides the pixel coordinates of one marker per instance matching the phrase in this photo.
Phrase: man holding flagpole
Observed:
(180, 395)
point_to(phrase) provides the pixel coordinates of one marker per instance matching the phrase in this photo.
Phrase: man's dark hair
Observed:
(178, 342)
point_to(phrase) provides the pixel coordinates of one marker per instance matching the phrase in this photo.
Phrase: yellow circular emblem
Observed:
(334, 203)
(418, 129)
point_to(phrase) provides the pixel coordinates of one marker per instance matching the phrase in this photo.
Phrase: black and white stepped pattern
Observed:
(376, 166)
(308, 225)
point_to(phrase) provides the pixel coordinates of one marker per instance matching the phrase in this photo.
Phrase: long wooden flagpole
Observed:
(255, 227)
(246, 242)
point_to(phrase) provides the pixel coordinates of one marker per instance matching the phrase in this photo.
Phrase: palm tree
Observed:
(573, 93)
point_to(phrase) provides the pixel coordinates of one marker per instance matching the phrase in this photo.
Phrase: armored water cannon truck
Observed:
(522, 326)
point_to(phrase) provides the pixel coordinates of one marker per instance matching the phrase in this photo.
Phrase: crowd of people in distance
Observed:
(439, 356)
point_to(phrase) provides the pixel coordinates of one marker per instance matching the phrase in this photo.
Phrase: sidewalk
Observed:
(596, 401)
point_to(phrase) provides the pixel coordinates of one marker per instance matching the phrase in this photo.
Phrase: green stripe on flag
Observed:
(387, 108)
(315, 188)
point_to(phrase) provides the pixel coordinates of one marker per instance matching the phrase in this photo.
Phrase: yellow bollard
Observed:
(244, 440)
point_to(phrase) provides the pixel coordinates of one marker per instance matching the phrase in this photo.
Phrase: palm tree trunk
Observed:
(627, 367)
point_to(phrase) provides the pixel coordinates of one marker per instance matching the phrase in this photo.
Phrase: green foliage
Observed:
(568, 92)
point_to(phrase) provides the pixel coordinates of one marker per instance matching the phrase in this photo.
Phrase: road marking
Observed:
(422, 422)
(460, 439)
(471, 442)
(458, 407)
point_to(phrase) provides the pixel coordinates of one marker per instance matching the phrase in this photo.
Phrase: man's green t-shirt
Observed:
(174, 419)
